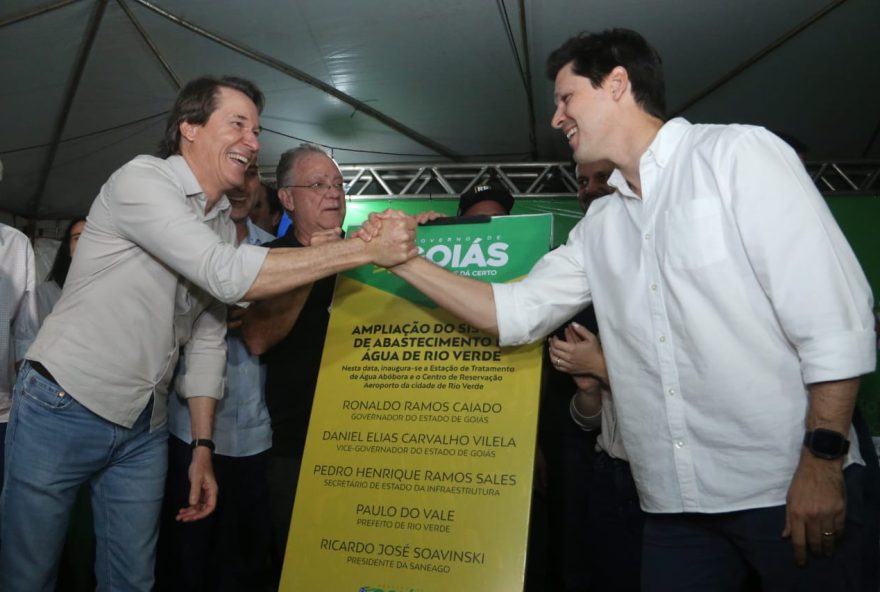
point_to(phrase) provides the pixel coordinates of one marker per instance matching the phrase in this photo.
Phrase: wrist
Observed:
(202, 445)
(825, 444)
(583, 417)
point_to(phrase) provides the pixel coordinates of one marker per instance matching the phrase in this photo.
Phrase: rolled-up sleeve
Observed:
(554, 290)
(204, 373)
(802, 260)
(148, 210)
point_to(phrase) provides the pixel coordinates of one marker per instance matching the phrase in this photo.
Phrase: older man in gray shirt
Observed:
(151, 273)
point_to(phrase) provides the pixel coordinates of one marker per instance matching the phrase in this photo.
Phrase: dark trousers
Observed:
(570, 490)
(615, 525)
(871, 537)
(2, 451)
(717, 552)
(229, 550)
(283, 475)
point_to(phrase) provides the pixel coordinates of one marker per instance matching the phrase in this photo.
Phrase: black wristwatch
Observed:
(209, 444)
(826, 444)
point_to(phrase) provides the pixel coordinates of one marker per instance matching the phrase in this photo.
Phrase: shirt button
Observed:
(671, 392)
(654, 287)
(679, 444)
(647, 236)
(662, 339)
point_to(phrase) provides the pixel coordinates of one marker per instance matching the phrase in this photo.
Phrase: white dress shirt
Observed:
(18, 312)
(720, 294)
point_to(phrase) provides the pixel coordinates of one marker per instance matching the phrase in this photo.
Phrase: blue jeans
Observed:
(54, 445)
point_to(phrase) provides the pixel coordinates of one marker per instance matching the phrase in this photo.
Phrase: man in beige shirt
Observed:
(151, 274)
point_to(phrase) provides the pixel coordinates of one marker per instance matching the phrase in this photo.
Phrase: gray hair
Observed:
(284, 170)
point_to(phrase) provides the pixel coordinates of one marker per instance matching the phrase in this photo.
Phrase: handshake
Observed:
(389, 236)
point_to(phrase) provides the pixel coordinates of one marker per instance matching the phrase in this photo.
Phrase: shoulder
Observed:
(144, 178)
(12, 236)
(145, 168)
(730, 137)
(145, 164)
(286, 241)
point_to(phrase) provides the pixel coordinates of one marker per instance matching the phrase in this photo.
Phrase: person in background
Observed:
(18, 317)
(228, 549)
(76, 566)
(486, 199)
(592, 180)
(267, 210)
(613, 530)
(49, 291)
(571, 451)
(289, 330)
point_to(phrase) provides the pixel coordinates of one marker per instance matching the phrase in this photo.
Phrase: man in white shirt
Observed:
(611, 531)
(735, 321)
(18, 315)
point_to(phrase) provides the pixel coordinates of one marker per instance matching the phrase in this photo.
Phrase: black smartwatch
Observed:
(826, 444)
(209, 444)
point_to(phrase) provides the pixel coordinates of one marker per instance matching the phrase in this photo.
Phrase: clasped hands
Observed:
(390, 236)
(579, 354)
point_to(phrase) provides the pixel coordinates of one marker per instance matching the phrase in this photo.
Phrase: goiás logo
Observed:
(479, 256)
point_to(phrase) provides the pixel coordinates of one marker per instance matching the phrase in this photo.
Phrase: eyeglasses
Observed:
(320, 187)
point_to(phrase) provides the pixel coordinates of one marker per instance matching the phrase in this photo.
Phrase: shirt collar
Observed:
(256, 235)
(660, 152)
(191, 185)
(666, 141)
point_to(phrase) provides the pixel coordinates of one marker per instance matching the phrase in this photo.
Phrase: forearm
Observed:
(268, 322)
(586, 408)
(471, 300)
(286, 269)
(588, 402)
(831, 405)
(201, 412)
(816, 501)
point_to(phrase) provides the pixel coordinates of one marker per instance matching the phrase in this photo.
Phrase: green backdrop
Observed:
(858, 216)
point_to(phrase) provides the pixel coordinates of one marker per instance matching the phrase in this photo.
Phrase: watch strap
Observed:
(826, 444)
(207, 443)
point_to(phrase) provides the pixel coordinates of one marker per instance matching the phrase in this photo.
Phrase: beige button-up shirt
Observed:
(143, 282)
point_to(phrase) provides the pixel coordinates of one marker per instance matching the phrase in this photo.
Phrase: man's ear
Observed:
(617, 82)
(188, 131)
(286, 199)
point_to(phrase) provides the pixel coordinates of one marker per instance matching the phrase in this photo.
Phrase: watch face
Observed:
(828, 442)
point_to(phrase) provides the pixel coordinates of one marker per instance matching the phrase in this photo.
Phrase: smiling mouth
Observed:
(571, 132)
(240, 158)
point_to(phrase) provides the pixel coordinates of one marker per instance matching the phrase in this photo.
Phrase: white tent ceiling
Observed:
(84, 84)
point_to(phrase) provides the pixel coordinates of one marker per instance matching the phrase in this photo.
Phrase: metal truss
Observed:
(549, 179)
(846, 177)
(420, 181)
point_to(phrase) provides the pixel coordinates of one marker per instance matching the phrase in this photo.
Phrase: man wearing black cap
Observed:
(489, 199)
